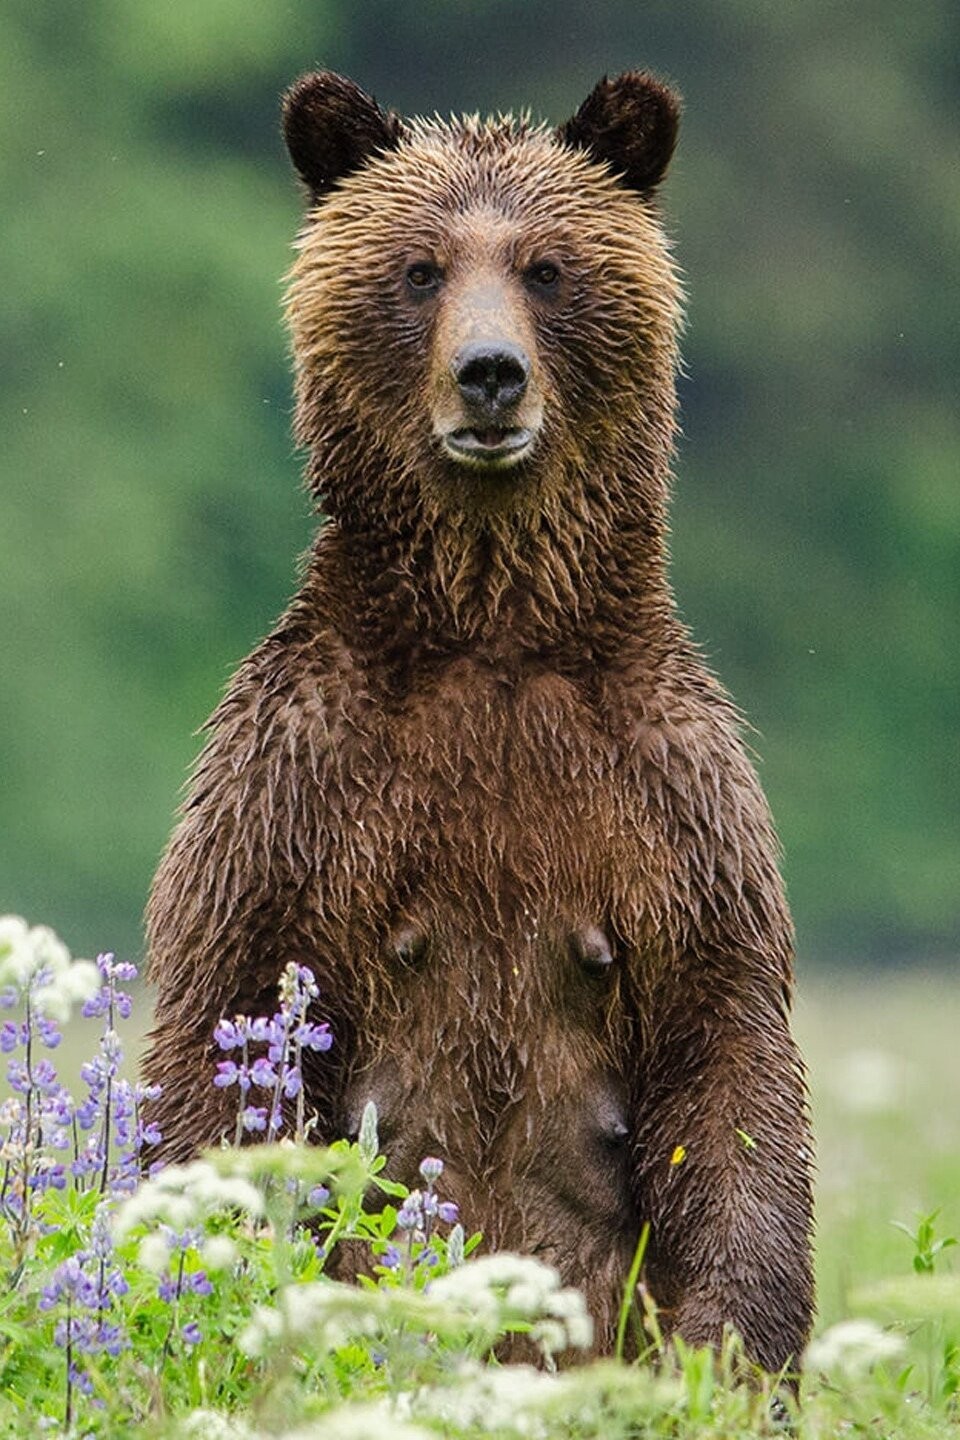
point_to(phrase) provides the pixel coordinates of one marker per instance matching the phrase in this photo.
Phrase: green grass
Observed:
(884, 1058)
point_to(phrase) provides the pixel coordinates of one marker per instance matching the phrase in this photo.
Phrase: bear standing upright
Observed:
(478, 778)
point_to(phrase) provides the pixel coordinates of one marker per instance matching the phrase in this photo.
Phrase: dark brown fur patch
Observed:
(631, 123)
(478, 777)
(332, 127)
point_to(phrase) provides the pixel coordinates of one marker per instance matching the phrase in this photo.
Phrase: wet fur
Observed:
(480, 738)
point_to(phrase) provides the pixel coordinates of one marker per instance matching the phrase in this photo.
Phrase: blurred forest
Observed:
(151, 510)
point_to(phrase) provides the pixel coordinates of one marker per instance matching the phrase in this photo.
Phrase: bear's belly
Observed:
(513, 1066)
(502, 1046)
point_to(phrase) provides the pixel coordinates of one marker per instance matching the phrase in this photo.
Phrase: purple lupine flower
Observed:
(112, 1339)
(191, 1333)
(60, 1107)
(78, 1377)
(115, 1283)
(48, 1177)
(263, 1074)
(318, 1196)
(448, 1212)
(147, 1134)
(228, 1073)
(431, 1168)
(168, 1289)
(255, 1118)
(86, 1112)
(410, 1213)
(313, 1037)
(45, 1076)
(261, 1030)
(109, 1000)
(227, 1035)
(67, 1278)
(49, 1032)
(182, 1240)
(390, 1258)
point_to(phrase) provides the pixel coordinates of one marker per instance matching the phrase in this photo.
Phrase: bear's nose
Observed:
(491, 377)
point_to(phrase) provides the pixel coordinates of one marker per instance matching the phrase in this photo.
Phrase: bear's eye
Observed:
(423, 277)
(544, 275)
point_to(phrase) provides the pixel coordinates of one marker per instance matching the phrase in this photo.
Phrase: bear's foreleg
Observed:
(723, 1161)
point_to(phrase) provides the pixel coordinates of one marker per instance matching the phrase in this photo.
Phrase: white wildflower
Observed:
(526, 1298)
(550, 1335)
(183, 1195)
(154, 1253)
(219, 1252)
(265, 1327)
(496, 1399)
(327, 1312)
(213, 1425)
(38, 959)
(853, 1347)
(361, 1422)
(328, 1315)
(500, 1288)
(569, 1306)
(580, 1329)
(16, 952)
(214, 1191)
(494, 1280)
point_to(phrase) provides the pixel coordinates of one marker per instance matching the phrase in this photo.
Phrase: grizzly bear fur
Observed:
(478, 777)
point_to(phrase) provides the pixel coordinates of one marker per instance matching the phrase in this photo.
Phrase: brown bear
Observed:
(478, 777)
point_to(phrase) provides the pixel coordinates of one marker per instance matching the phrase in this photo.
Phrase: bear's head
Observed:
(485, 313)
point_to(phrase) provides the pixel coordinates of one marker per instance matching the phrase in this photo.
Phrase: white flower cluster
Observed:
(506, 1288)
(213, 1425)
(477, 1301)
(181, 1196)
(509, 1398)
(519, 1400)
(331, 1314)
(375, 1421)
(35, 959)
(852, 1348)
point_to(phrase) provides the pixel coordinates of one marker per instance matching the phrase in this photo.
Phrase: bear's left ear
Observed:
(631, 123)
(332, 127)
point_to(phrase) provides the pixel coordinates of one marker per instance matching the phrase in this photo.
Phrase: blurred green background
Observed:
(151, 510)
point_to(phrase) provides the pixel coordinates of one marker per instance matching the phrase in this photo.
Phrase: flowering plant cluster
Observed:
(48, 1139)
(124, 1268)
(277, 1073)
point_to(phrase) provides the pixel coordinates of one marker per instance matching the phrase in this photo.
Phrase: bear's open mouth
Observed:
(488, 446)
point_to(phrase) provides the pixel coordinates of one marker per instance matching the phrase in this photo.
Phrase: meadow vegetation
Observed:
(196, 1300)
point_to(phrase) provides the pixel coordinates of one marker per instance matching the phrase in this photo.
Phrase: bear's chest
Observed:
(506, 805)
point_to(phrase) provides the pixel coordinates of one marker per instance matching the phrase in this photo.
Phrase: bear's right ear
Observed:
(631, 123)
(332, 127)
